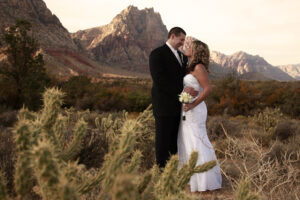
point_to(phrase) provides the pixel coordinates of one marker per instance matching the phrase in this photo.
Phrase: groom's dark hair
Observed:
(176, 31)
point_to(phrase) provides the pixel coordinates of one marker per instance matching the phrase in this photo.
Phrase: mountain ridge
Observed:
(122, 45)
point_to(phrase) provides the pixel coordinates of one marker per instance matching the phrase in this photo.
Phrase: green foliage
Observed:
(233, 96)
(23, 70)
(137, 101)
(106, 95)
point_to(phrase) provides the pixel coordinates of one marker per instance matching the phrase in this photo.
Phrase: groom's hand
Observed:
(191, 91)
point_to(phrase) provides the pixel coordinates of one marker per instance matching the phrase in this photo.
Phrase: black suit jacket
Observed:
(167, 75)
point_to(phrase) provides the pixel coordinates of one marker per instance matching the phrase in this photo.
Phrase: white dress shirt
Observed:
(175, 53)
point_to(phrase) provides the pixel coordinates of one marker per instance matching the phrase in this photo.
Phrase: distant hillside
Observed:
(63, 57)
(243, 63)
(292, 70)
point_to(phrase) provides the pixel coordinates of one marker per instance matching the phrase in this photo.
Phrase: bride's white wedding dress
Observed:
(192, 136)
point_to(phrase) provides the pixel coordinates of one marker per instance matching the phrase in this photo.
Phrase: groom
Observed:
(167, 68)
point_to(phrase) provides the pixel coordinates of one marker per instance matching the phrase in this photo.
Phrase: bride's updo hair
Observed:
(200, 55)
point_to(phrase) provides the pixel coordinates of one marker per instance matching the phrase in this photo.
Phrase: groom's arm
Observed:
(159, 76)
(191, 91)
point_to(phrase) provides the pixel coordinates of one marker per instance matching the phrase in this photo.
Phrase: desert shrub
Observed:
(76, 89)
(232, 96)
(291, 102)
(109, 99)
(277, 152)
(105, 95)
(268, 119)
(284, 130)
(273, 172)
(233, 126)
(214, 127)
(23, 68)
(137, 101)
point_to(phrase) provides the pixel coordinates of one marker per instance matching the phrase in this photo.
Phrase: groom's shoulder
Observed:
(159, 49)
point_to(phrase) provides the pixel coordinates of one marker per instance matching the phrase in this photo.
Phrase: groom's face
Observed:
(178, 40)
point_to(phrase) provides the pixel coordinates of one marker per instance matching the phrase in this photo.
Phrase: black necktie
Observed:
(180, 57)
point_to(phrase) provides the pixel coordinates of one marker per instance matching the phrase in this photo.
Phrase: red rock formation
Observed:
(128, 40)
(52, 36)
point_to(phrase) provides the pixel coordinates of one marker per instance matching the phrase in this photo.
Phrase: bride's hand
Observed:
(187, 107)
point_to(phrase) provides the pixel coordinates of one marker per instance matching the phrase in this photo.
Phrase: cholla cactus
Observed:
(23, 172)
(46, 169)
(75, 145)
(59, 129)
(244, 192)
(51, 177)
(68, 191)
(268, 119)
(187, 170)
(115, 160)
(167, 183)
(172, 181)
(52, 104)
(46, 126)
(124, 188)
(3, 191)
(44, 155)
(134, 164)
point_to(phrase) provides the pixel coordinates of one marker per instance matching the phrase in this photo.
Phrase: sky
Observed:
(268, 28)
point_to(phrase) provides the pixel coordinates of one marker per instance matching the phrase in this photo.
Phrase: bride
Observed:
(192, 134)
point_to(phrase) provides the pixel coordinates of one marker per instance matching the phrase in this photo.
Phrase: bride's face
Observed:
(188, 51)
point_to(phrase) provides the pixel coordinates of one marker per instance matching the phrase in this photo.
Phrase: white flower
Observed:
(185, 98)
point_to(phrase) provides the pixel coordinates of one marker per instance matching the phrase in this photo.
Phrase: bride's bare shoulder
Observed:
(200, 68)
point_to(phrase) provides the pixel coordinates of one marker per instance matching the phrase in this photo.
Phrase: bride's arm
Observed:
(202, 76)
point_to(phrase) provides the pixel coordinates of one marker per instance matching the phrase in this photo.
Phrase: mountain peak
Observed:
(240, 54)
(127, 40)
(244, 63)
(133, 9)
(46, 26)
(132, 15)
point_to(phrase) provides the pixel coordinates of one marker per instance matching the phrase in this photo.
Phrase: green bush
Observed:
(23, 76)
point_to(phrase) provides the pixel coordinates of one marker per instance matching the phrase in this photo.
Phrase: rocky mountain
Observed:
(125, 42)
(128, 40)
(244, 63)
(292, 70)
(63, 57)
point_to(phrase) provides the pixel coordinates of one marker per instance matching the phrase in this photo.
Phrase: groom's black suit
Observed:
(167, 75)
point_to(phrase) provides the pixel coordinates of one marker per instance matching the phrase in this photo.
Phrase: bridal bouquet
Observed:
(185, 98)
